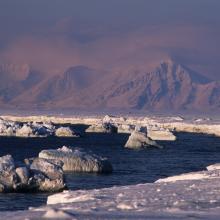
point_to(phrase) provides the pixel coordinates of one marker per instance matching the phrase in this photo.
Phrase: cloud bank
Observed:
(116, 35)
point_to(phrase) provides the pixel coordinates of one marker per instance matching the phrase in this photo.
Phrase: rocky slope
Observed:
(170, 86)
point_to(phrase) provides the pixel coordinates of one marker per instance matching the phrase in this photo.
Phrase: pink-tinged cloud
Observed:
(57, 48)
(47, 55)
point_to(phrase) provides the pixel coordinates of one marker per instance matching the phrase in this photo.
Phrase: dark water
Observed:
(190, 152)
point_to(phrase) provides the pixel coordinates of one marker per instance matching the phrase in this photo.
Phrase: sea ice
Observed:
(161, 135)
(140, 140)
(214, 167)
(193, 195)
(125, 128)
(102, 128)
(39, 175)
(77, 160)
(65, 132)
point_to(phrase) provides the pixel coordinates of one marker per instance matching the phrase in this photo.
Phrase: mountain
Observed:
(170, 86)
(16, 79)
(74, 80)
(52, 90)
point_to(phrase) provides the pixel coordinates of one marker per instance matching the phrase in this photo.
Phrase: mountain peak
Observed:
(172, 67)
(168, 62)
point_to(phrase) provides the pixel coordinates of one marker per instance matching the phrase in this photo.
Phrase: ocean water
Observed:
(191, 152)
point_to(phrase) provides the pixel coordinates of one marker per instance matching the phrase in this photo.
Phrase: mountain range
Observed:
(170, 86)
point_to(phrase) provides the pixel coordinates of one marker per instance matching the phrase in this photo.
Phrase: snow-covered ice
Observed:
(65, 132)
(175, 123)
(37, 175)
(210, 174)
(102, 128)
(194, 197)
(213, 167)
(161, 135)
(140, 140)
(77, 160)
(33, 129)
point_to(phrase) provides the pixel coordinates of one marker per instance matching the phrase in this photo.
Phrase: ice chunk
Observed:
(25, 131)
(23, 175)
(8, 177)
(161, 135)
(140, 140)
(192, 176)
(65, 132)
(213, 167)
(51, 169)
(77, 160)
(126, 128)
(38, 175)
(57, 214)
(102, 128)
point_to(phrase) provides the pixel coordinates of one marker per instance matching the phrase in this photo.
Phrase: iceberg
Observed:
(25, 131)
(125, 128)
(75, 159)
(161, 135)
(139, 140)
(38, 175)
(65, 132)
(102, 128)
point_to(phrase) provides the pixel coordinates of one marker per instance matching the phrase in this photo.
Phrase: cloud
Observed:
(68, 44)
(48, 55)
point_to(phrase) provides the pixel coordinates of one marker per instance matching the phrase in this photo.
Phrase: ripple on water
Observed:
(191, 152)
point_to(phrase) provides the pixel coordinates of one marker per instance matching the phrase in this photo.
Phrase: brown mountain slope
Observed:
(15, 80)
(53, 89)
(170, 87)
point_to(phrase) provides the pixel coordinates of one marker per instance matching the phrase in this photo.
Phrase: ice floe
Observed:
(102, 128)
(193, 196)
(65, 132)
(161, 135)
(39, 175)
(124, 124)
(139, 140)
(34, 129)
(77, 160)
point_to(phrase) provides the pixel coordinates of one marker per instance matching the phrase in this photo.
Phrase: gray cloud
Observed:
(52, 34)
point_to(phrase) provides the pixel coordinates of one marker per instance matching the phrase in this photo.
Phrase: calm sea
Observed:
(191, 152)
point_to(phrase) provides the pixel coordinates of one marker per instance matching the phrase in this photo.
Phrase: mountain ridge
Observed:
(171, 86)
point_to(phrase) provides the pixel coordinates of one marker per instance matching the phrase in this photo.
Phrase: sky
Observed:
(51, 35)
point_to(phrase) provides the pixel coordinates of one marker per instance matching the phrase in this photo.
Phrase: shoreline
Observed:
(178, 124)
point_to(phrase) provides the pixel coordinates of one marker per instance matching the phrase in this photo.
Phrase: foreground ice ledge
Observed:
(212, 172)
(196, 193)
(197, 198)
(206, 178)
